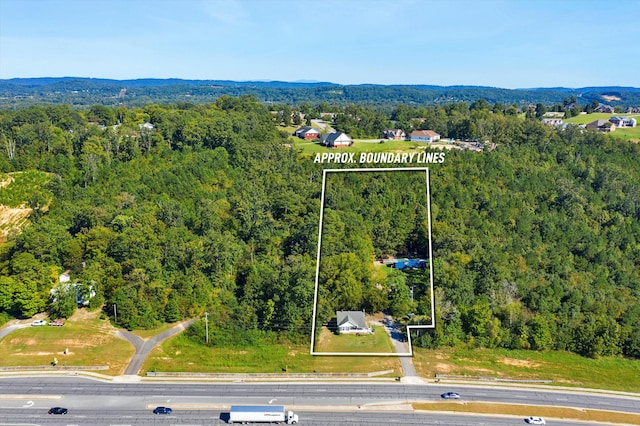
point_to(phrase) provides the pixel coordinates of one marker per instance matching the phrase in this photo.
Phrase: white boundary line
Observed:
(315, 294)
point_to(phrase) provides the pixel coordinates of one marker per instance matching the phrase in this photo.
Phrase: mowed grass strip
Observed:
(88, 340)
(563, 368)
(610, 417)
(181, 354)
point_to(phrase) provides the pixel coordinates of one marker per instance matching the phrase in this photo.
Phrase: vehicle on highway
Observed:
(58, 410)
(261, 414)
(162, 410)
(535, 420)
(450, 395)
(57, 323)
(39, 322)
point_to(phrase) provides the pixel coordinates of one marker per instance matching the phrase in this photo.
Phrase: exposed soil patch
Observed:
(520, 363)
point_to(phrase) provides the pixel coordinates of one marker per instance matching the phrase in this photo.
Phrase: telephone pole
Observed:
(206, 326)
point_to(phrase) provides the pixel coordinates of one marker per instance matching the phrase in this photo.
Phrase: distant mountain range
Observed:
(82, 91)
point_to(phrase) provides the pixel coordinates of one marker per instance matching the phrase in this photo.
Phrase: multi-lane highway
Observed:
(91, 402)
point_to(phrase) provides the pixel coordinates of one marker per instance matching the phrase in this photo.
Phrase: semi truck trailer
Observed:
(261, 414)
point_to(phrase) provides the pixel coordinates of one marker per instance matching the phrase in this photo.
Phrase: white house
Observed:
(424, 136)
(552, 121)
(336, 139)
(352, 322)
(623, 121)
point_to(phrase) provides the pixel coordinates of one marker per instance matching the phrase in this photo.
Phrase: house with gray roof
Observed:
(336, 139)
(352, 322)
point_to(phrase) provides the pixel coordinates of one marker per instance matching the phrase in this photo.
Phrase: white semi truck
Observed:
(261, 414)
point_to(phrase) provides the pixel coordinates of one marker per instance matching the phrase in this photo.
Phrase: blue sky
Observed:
(500, 43)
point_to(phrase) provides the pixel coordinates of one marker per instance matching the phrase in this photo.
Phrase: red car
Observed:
(57, 323)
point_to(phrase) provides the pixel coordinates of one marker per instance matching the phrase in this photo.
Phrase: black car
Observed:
(162, 410)
(58, 410)
(450, 395)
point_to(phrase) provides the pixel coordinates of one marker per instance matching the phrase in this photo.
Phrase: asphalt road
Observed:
(204, 403)
(93, 417)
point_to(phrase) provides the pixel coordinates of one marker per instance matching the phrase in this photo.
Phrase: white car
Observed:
(535, 420)
(39, 322)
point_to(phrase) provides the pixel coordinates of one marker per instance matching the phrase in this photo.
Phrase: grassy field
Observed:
(631, 133)
(527, 410)
(89, 341)
(182, 354)
(376, 342)
(563, 368)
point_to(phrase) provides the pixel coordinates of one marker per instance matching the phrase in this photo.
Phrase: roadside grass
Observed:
(376, 342)
(563, 368)
(609, 417)
(148, 333)
(88, 340)
(182, 354)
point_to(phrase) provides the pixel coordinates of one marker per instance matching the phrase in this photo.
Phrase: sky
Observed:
(497, 43)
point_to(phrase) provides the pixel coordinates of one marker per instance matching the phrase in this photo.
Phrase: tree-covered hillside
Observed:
(536, 244)
(21, 92)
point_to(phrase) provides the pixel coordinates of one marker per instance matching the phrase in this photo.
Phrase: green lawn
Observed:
(182, 354)
(88, 340)
(376, 342)
(563, 368)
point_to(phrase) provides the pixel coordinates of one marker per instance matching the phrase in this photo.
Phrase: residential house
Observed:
(146, 126)
(308, 133)
(601, 126)
(608, 109)
(623, 121)
(336, 140)
(424, 136)
(352, 322)
(394, 134)
(552, 121)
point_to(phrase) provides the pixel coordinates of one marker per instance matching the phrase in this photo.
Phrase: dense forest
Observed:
(536, 244)
(21, 92)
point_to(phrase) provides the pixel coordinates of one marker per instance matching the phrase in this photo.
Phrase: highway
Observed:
(25, 400)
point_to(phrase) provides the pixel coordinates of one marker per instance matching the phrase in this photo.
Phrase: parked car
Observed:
(535, 420)
(162, 410)
(450, 395)
(57, 323)
(58, 410)
(39, 322)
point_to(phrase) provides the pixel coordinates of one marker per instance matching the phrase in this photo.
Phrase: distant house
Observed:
(336, 139)
(306, 132)
(552, 121)
(352, 322)
(394, 134)
(604, 108)
(623, 121)
(146, 126)
(601, 126)
(424, 136)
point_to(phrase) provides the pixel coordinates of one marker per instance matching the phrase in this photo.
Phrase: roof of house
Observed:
(356, 318)
(331, 137)
(597, 123)
(428, 133)
(305, 129)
